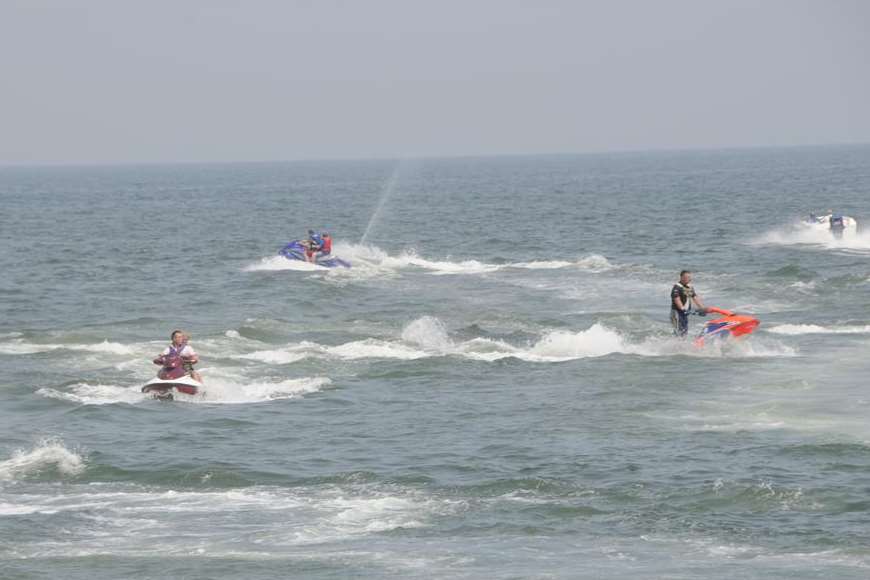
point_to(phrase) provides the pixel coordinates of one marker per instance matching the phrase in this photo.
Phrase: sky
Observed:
(124, 81)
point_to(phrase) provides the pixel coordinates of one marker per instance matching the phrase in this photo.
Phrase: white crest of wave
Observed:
(596, 341)
(49, 453)
(427, 332)
(799, 329)
(85, 394)
(106, 346)
(427, 336)
(593, 263)
(217, 390)
(20, 346)
(275, 356)
(374, 348)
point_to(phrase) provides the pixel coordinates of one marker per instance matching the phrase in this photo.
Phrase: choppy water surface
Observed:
(491, 392)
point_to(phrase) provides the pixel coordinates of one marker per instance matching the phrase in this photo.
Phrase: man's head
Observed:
(178, 337)
(686, 277)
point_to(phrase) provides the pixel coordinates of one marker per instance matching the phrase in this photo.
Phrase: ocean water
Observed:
(492, 391)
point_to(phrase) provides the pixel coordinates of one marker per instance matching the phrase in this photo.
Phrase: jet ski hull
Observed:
(296, 251)
(166, 389)
(727, 327)
(837, 225)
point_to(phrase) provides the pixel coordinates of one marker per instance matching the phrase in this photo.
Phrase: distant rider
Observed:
(179, 347)
(683, 296)
(837, 225)
(326, 246)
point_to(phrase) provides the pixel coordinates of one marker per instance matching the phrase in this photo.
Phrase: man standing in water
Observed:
(683, 296)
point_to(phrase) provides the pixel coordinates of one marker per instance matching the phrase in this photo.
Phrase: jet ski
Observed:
(295, 250)
(837, 225)
(729, 326)
(171, 379)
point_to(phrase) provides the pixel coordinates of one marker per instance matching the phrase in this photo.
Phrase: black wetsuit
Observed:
(680, 318)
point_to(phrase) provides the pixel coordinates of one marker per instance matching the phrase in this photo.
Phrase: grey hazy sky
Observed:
(203, 80)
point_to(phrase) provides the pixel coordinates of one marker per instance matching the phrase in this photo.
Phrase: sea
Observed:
(491, 391)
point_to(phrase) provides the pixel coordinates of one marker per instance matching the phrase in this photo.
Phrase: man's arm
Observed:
(698, 303)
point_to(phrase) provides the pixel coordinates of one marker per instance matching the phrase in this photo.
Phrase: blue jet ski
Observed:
(295, 250)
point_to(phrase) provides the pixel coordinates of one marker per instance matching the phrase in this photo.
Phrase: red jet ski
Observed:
(171, 378)
(729, 326)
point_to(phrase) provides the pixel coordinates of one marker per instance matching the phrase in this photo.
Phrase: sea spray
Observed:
(386, 193)
(427, 332)
(48, 454)
(219, 390)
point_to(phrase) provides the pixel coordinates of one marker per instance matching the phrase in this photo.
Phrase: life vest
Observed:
(686, 294)
(326, 247)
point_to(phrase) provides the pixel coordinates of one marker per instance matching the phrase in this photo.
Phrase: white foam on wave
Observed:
(144, 520)
(374, 348)
(750, 558)
(797, 235)
(227, 392)
(427, 337)
(48, 454)
(278, 263)
(800, 329)
(592, 262)
(86, 394)
(369, 261)
(274, 356)
(429, 333)
(20, 346)
(218, 390)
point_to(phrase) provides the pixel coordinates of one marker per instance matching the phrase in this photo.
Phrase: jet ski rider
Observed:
(326, 246)
(179, 347)
(317, 245)
(313, 245)
(683, 297)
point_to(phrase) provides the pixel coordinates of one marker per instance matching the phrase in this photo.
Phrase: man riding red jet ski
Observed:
(176, 374)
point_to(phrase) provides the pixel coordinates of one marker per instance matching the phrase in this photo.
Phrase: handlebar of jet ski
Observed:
(721, 311)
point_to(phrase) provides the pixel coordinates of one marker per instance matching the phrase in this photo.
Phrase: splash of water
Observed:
(48, 454)
(389, 186)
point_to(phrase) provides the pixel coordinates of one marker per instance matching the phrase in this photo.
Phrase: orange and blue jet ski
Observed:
(730, 325)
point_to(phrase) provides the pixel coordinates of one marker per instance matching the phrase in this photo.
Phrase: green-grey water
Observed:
(492, 391)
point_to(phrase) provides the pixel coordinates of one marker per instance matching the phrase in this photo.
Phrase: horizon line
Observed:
(434, 157)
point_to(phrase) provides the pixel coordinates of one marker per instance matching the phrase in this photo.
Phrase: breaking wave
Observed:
(49, 454)
(428, 337)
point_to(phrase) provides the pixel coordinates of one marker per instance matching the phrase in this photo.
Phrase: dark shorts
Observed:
(680, 321)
